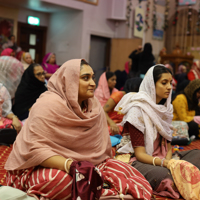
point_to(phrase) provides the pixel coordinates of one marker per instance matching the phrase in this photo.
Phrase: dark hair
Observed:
(14, 47)
(158, 71)
(9, 37)
(193, 105)
(195, 100)
(109, 75)
(132, 85)
(83, 62)
(35, 65)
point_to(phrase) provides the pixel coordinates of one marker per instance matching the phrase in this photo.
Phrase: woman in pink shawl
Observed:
(8, 52)
(49, 64)
(106, 87)
(64, 149)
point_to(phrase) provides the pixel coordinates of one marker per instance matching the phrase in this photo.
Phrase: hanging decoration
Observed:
(139, 24)
(198, 21)
(176, 13)
(128, 12)
(189, 20)
(166, 15)
(140, 3)
(147, 15)
(154, 19)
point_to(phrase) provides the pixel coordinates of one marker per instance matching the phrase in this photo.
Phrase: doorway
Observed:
(32, 39)
(99, 55)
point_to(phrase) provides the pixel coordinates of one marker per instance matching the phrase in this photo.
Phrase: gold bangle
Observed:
(15, 116)
(65, 164)
(154, 161)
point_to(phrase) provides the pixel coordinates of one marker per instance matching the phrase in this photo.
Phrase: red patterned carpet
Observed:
(5, 151)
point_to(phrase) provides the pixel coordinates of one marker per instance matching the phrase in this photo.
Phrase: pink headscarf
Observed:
(6, 52)
(57, 126)
(169, 67)
(49, 68)
(102, 92)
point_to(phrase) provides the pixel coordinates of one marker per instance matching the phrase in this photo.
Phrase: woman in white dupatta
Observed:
(147, 117)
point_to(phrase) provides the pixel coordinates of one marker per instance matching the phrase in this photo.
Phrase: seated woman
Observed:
(11, 71)
(26, 59)
(8, 52)
(131, 85)
(6, 116)
(11, 43)
(182, 71)
(49, 64)
(185, 106)
(32, 85)
(106, 87)
(194, 73)
(67, 127)
(148, 117)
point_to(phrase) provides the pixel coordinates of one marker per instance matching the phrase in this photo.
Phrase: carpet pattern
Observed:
(5, 151)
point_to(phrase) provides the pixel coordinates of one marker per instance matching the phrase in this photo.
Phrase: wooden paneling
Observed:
(178, 34)
(120, 50)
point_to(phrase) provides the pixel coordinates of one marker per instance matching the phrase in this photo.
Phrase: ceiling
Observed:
(42, 6)
(36, 5)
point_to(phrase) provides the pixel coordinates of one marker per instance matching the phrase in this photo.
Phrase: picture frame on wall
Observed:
(94, 2)
(186, 2)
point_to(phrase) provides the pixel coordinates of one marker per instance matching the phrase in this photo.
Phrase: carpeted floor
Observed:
(5, 151)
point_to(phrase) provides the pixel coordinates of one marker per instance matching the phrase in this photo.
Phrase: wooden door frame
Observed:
(42, 28)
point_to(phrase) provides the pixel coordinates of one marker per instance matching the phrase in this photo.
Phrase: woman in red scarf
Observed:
(194, 73)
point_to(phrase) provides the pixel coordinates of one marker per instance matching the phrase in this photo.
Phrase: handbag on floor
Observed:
(186, 177)
(7, 136)
(180, 135)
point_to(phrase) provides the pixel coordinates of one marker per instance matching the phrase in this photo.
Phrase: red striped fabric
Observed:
(45, 183)
(42, 182)
(124, 179)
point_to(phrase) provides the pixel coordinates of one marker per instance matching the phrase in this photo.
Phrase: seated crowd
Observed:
(64, 123)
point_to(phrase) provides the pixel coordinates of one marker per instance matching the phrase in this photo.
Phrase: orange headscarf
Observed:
(57, 126)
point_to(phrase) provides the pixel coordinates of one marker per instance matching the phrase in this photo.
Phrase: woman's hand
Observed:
(16, 123)
(114, 129)
(139, 48)
(57, 162)
(165, 163)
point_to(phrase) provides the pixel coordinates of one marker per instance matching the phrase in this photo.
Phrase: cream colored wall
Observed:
(148, 35)
(10, 13)
(156, 44)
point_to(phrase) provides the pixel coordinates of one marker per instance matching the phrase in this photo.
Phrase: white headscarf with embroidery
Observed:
(143, 113)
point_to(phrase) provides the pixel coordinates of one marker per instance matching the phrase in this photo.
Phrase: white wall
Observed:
(64, 35)
(24, 13)
(94, 22)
